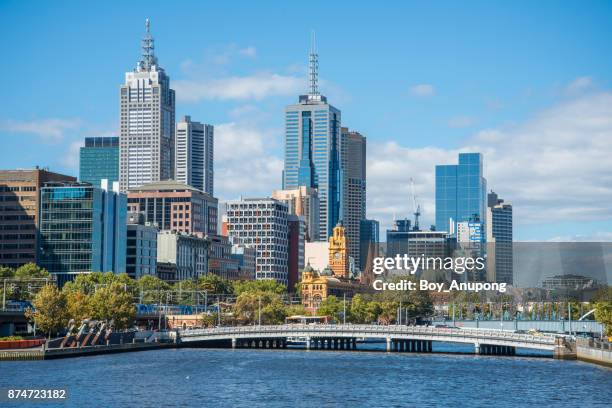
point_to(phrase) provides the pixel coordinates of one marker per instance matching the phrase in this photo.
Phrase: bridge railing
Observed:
(370, 330)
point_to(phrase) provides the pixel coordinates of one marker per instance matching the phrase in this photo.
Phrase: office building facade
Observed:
(141, 255)
(312, 151)
(369, 238)
(460, 192)
(194, 154)
(98, 160)
(188, 252)
(303, 202)
(500, 260)
(296, 227)
(82, 229)
(353, 155)
(261, 223)
(147, 122)
(175, 206)
(20, 213)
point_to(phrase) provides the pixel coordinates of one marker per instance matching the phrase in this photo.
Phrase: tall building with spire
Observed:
(312, 149)
(147, 122)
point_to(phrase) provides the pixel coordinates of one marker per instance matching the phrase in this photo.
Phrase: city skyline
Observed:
(569, 111)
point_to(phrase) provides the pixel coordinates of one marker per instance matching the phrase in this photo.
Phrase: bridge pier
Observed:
(494, 350)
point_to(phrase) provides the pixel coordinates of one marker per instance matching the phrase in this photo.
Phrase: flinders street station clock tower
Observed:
(338, 252)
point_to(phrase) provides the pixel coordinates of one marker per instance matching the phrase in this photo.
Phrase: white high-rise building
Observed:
(194, 154)
(146, 134)
(261, 223)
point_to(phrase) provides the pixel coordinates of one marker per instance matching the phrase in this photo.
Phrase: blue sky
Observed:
(527, 83)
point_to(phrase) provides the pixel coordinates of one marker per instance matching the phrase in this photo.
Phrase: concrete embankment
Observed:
(54, 353)
(594, 352)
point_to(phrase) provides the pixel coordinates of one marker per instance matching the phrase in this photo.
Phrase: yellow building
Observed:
(338, 252)
(334, 280)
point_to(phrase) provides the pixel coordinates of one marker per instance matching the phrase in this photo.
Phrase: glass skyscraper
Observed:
(461, 192)
(99, 159)
(82, 229)
(312, 151)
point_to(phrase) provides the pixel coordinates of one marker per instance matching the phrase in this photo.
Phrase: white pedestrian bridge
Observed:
(398, 338)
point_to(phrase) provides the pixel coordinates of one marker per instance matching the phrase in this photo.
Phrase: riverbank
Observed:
(592, 351)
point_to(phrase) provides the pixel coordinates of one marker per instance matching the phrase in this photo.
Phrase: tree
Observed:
(150, 289)
(603, 308)
(249, 304)
(214, 284)
(388, 312)
(6, 272)
(266, 285)
(295, 310)
(31, 270)
(50, 310)
(359, 310)
(79, 306)
(113, 302)
(332, 307)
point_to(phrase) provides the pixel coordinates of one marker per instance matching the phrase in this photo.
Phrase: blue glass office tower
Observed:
(312, 151)
(99, 159)
(82, 229)
(461, 191)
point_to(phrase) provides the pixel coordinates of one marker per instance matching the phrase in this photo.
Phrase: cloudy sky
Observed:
(527, 84)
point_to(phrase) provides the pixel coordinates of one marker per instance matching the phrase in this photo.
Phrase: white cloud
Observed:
(243, 162)
(249, 52)
(579, 85)
(52, 130)
(423, 90)
(257, 86)
(71, 158)
(460, 122)
(555, 167)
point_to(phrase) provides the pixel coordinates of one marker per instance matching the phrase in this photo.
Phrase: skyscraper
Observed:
(194, 154)
(312, 150)
(82, 229)
(99, 159)
(353, 154)
(369, 238)
(499, 236)
(147, 109)
(461, 191)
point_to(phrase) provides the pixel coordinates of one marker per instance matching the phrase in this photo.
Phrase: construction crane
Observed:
(416, 207)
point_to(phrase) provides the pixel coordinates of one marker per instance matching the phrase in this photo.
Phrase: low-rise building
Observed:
(82, 229)
(141, 256)
(188, 252)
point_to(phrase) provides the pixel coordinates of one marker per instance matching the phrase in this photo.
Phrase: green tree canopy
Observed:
(31, 270)
(79, 306)
(50, 310)
(248, 306)
(214, 284)
(113, 302)
(267, 285)
(332, 307)
(6, 272)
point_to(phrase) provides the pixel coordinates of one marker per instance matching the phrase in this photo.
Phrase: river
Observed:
(294, 378)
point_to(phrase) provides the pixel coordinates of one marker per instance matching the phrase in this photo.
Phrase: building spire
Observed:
(313, 71)
(148, 47)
